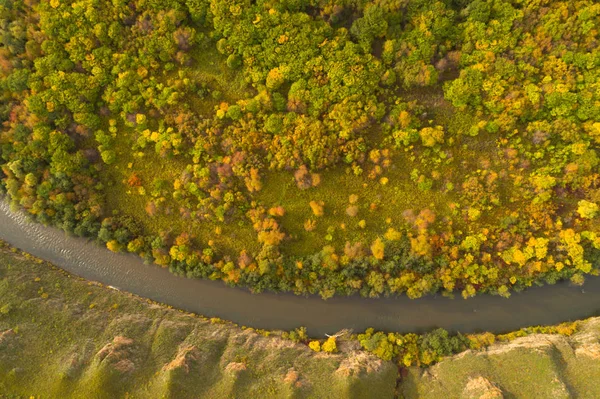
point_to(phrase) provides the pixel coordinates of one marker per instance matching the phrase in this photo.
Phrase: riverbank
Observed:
(64, 337)
(536, 366)
(548, 305)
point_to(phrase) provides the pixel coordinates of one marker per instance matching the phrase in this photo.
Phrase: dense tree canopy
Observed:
(313, 146)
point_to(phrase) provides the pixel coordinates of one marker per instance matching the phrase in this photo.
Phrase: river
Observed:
(550, 304)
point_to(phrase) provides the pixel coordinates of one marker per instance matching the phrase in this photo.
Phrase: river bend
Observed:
(536, 306)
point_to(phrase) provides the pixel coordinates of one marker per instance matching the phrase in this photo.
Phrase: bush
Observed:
(329, 345)
(315, 345)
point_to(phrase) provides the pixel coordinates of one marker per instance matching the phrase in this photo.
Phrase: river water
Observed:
(535, 306)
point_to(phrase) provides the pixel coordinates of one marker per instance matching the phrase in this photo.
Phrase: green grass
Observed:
(54, 326)
(391, 199)
(538, 366)
(210, 69)
(399, 194)
(126, 200)
(335, 227)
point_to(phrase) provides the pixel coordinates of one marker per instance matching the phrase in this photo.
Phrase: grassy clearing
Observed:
(391, 198)
(379, 206)
(63, 337)
(382, 199)
(210, 70)
(126, 200)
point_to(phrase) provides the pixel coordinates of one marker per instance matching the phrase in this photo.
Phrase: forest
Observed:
(329, 147)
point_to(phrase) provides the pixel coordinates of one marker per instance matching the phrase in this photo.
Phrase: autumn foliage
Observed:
(333, 147)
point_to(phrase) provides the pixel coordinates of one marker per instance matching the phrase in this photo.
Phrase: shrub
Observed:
(329, 345)
(315, 345)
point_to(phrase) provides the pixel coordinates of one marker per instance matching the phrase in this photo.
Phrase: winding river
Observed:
(535, 306)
